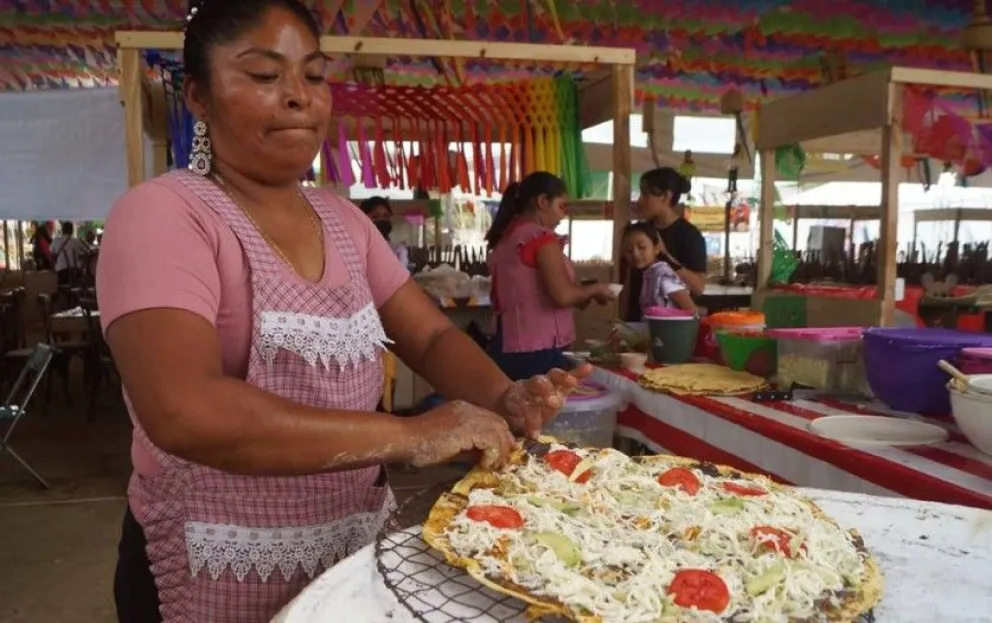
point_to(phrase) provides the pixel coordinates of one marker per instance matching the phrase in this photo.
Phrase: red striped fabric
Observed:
(953, 472)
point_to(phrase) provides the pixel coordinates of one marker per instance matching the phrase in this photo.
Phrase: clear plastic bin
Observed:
(589, 417)
(828, 359)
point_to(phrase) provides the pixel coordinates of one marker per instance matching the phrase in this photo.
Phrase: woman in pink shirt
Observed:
(247, 316)
(534, 288)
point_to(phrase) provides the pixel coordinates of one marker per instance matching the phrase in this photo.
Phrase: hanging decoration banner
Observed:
(479, 138)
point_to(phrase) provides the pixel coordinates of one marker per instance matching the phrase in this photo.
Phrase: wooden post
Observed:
(623, 100)
(766, 218)
(888, 229)
(129, 61)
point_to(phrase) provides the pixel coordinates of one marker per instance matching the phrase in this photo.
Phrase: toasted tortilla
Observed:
(451, 504)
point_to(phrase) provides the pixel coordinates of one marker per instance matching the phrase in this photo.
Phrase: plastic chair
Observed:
(16, 405)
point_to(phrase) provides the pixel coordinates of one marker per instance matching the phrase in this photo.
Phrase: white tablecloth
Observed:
(936, 558)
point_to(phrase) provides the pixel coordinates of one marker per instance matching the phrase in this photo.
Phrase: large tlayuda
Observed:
(600, 537)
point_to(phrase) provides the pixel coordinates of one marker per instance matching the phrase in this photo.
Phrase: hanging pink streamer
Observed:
(344, 158)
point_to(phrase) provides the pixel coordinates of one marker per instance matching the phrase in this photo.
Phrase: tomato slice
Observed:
(503, 517)
(699, 589)
(682, 478)
(746, 490)
(775, 539)
(565, 461)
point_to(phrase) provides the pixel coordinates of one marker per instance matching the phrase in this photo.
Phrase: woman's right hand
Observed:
(455, 429)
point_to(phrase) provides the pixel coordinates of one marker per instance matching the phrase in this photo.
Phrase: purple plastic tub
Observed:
(901, 364)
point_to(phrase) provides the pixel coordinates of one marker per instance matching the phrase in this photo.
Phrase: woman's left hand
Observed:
(529, 405)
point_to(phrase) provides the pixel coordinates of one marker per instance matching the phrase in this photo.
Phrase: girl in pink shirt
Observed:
(534, 288)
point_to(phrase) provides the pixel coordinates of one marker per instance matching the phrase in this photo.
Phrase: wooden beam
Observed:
(623, 101)
(839, 108)
(941, 78)
(766, 218)
(595, 99)
(952, 214)
(852, 213)
(132, 97)
(420, 47)
(889, 229)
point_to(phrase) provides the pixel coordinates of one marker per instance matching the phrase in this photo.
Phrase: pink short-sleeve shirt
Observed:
(165, 248)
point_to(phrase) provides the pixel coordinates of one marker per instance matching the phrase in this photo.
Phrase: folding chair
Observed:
(16, 405)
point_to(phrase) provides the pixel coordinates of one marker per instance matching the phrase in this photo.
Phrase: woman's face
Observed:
(268, 104)
(551, 210)
(652, 206)
(380, 213)
(640, 249)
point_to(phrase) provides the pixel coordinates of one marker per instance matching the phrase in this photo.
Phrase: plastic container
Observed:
(752, 352)
(666, 312)
(829, 359)
(973, 361)
(902, 365)
(737, 321)
(589, 417)
(673, 338)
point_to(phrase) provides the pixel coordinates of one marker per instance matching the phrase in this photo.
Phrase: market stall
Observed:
(881, 115)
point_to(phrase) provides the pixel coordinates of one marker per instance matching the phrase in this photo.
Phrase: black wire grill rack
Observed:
(428, 587)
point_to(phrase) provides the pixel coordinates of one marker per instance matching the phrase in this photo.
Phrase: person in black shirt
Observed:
(683, 245)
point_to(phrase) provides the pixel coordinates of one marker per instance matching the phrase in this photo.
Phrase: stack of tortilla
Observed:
(701, 379)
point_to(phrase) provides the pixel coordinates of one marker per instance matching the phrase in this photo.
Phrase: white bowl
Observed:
(973, 413)
(635, 362)
(616, 288)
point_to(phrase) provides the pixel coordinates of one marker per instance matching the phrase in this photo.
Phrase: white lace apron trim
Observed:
(312, 548)
(346, 341)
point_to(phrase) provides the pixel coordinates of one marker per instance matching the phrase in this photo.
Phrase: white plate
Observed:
(873, 430)
(581, 355)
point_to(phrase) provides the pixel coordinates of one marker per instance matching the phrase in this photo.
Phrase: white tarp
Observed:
(61, 154)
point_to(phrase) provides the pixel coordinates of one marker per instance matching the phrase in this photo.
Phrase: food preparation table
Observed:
(773, 438)
(935, 558)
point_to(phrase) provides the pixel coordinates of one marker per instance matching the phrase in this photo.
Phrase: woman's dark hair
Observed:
(643, 227)
(68, 228)
(372, 203)
(657, 182)
(519, 197)
(215, 22)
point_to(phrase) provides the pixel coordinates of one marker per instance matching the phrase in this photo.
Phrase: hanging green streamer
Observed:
(790, 160)
(574, 167)
(435, 209)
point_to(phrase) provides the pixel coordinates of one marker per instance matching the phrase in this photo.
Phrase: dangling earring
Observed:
(201, 155)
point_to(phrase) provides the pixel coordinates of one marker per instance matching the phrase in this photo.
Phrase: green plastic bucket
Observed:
(750, 352)
(673, 338)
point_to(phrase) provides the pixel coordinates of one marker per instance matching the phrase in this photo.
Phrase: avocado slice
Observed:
(728, 506)
(768, 579)
(584, 466)
(562, 546)
(566, 508)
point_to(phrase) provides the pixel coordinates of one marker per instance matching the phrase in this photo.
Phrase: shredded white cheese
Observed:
(632, 535)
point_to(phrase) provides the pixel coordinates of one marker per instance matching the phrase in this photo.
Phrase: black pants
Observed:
(134, 585)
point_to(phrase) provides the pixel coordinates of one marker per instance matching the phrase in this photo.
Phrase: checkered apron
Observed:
(228, 548)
